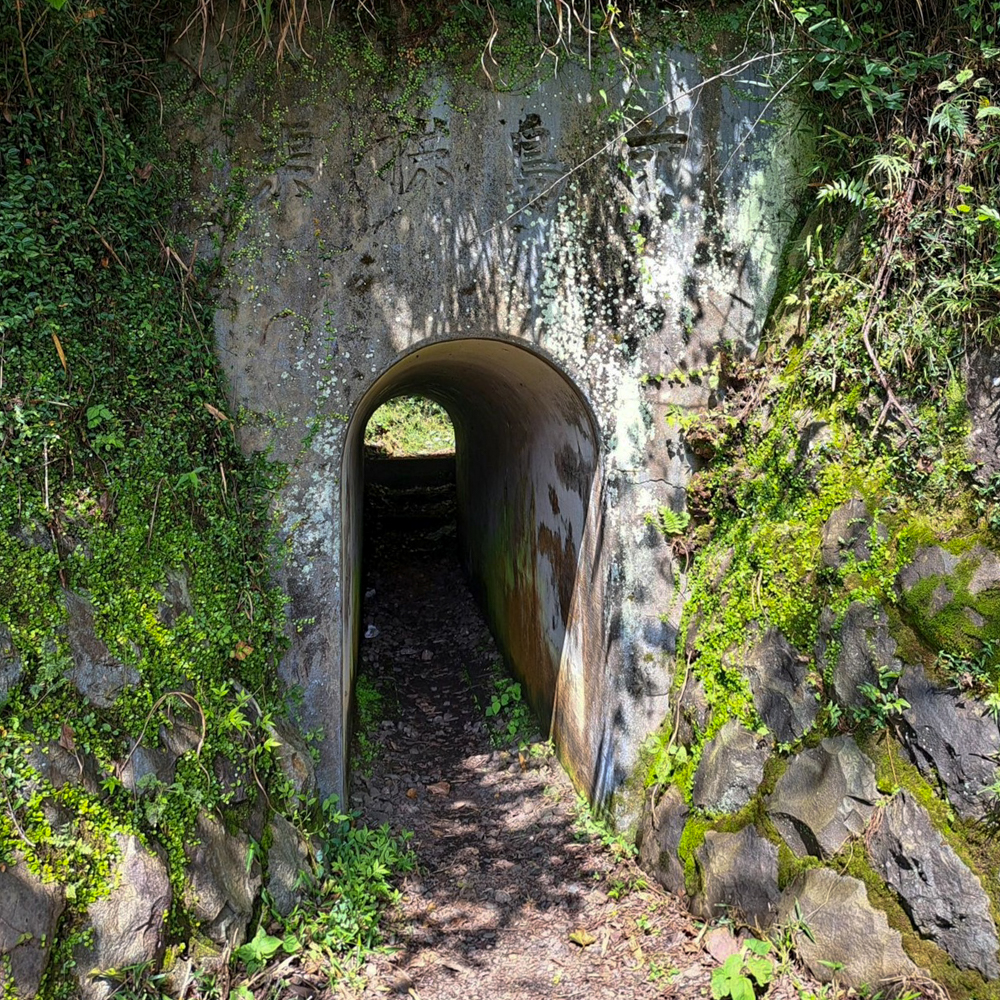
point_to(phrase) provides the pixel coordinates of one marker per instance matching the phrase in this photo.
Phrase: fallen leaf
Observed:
(720, 943)
(61, 353)
(582, 937)
(450, 963)
(218, 414)
(66, 740)
(411, 793)
(439, 788)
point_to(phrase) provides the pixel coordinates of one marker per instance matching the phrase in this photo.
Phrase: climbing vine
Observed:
(127, 512)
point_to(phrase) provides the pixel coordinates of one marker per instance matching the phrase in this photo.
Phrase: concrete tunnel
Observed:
(527, 483)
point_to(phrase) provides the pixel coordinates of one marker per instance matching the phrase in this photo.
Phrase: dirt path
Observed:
(514, 897)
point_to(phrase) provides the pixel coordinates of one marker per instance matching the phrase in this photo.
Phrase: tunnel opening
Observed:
(525, 477)
(409, 482)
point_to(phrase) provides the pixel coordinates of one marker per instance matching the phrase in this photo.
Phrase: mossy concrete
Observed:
(354, 228)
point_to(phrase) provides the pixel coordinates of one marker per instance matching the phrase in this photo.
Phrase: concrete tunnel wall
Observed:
(526, 452)
(521, 217)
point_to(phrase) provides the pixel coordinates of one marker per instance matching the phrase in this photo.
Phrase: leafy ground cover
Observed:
(409, 425)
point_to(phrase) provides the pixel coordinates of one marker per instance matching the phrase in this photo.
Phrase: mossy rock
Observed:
(955, 611)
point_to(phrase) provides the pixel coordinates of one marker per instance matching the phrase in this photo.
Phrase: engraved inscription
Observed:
(536, 168)
(301, 156)
(300, 147)
(426, 161)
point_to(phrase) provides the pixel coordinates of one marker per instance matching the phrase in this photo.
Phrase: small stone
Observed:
(981, 370)
(945, 901)
(128, 925)
(59, 766)
(96, 674)
(986, 575)
(294, 758)
(940, 598)
(29, 914)
(927, 562)
(695, 711)
(659, 836)
(778, 678)
(951, 739)
(176, 596)
(221, 886)
(287, 859)
(739, 873)
(144, 765)
(847, 533)
(975, 619)
(11, 667)
(866, 648)
(181, 735)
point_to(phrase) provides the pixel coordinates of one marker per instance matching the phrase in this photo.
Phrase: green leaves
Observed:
(739, 974)
(853, 190)
(507, 707)
(950, 119)
(257, 953)
(669, 522)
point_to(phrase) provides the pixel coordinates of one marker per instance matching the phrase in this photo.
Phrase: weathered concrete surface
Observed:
(526, 456)
(498, 247)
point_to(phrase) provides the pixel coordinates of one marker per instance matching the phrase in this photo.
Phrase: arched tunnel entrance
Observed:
(526, 463)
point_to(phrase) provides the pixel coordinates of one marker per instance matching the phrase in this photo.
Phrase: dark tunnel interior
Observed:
(524, 468)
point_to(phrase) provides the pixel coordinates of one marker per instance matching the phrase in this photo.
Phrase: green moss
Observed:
(790, 865)
(692, 838)
(945, 615)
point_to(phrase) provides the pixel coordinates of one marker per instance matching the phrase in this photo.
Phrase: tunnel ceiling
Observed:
(481, 382)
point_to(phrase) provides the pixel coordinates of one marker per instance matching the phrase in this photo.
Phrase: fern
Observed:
(854, 190)
(949, 118)
(891, 169)
(670, 522)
